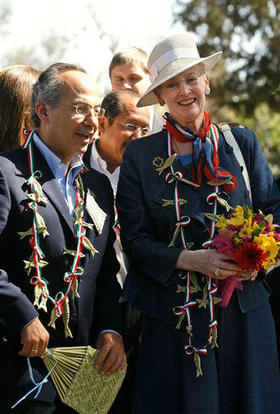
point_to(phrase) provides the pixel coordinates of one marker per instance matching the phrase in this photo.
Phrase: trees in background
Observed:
(248, 33)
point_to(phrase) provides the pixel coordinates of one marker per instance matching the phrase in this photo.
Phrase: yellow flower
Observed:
(236, 221)
(270, 246)
(221, 223)
(248, 228)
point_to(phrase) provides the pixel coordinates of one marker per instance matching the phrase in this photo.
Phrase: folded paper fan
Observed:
(78, 383)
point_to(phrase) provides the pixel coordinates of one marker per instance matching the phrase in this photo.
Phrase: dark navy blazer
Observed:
(147, 226)
(98, 289)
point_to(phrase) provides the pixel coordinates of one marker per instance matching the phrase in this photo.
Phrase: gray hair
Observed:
(48, 87)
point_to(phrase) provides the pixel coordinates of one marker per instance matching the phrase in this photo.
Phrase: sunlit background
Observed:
(39, 33)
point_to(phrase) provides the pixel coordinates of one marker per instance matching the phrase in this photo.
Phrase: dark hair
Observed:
(132, 55)
(16, 83)
(48, 87)
(113, 103)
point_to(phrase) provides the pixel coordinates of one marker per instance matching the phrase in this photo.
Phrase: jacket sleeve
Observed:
(152, 256)
(15, 308)
(265, 192)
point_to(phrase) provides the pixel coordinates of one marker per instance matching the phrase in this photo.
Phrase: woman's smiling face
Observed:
(184, 95)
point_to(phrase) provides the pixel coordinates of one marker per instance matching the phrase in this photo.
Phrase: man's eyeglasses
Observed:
(133, 128)
(83, 109)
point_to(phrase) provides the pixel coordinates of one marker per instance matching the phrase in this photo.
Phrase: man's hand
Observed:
(34, 338)
(112, 355)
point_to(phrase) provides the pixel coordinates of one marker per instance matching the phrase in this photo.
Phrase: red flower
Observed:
(249, 256)
(277, 237)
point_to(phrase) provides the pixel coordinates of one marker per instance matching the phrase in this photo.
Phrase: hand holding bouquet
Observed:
(251, 239)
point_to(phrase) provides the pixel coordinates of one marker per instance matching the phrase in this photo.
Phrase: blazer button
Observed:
(74, 316)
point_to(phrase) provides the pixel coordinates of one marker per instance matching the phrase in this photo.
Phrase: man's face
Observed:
(69, 128)
(130, 76)
(116, 134)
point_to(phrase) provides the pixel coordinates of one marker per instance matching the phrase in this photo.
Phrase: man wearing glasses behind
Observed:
(120, 121)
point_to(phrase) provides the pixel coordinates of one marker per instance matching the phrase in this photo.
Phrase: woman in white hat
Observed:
(196, 357)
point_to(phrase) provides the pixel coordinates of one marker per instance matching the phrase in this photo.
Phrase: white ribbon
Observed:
(170, 56)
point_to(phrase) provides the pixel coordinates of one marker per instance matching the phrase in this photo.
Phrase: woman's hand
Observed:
(212, 264)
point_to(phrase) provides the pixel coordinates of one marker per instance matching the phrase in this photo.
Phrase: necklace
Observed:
(210, 288)
(36, 261)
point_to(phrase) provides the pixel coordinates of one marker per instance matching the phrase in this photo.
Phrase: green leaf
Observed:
(181, 289)
(66, 318)
(88, 245)
(223, 203)
(167, 163)
(23, 234)
(203, 302)
(212, 217)
(197, 363)
(218, 183)
(180, 320)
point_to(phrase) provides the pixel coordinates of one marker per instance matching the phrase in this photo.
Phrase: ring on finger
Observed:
(217, 272)
(34, 350)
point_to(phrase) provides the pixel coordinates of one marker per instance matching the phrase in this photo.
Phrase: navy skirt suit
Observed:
(242, 374)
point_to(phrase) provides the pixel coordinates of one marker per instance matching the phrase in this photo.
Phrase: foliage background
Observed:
(244, 81)
(248, 33)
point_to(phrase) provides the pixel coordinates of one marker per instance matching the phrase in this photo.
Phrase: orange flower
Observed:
(249, 256)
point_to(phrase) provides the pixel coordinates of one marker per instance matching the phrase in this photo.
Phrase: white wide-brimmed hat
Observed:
(170, 57)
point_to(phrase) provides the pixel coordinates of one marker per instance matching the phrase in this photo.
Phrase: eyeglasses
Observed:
(82, 109)
(189, 81)
(133, 128)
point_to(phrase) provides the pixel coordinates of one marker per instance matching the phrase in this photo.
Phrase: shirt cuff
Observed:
(109, 330)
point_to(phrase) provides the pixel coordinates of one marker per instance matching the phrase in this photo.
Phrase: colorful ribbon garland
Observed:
(60, 301)
(182, 222)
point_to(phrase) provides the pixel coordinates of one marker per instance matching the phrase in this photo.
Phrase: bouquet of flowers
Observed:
(251, 239)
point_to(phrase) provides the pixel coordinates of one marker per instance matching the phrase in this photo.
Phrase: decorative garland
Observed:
(192, 286)
(41, 292)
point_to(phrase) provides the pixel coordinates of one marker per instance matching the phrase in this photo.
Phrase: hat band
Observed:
(170, 56)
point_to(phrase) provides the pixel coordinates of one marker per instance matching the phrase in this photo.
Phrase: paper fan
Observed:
(78, 383)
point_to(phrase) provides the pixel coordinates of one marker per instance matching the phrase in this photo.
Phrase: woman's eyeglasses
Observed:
(174, 85)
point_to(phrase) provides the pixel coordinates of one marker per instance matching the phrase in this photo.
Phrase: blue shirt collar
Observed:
(55, 163)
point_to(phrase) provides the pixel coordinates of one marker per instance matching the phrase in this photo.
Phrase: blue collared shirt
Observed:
(65, 180)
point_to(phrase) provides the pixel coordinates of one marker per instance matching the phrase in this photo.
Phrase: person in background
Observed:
(16, 83)
(120, 123)
(58, 266)
(128, 70)
(195, 356)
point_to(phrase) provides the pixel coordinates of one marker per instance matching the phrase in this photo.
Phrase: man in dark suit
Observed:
(122, 123)
(58, 266)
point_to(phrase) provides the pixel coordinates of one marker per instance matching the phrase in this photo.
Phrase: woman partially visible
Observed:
(168, 181)
(16, 83)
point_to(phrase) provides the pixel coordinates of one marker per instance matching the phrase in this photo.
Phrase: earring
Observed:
(207, 91)
(162, 103)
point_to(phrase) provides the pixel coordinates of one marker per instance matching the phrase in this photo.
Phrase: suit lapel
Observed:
(51, 187)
